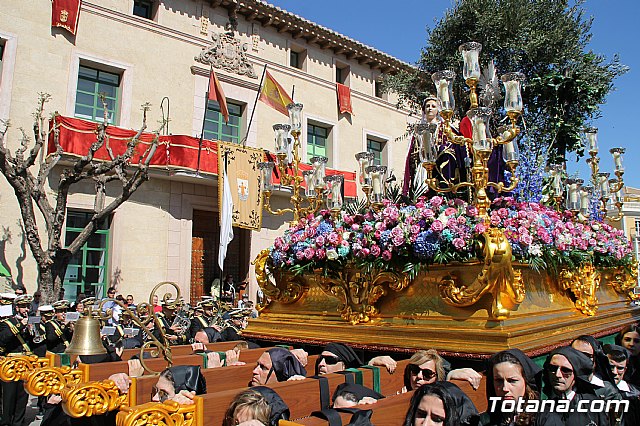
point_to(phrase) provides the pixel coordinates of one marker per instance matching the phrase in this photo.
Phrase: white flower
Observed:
(535, 250)
(332, 254)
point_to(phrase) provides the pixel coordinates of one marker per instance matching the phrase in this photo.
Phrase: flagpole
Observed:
(293, 92)
(204, 116)
(264, 71)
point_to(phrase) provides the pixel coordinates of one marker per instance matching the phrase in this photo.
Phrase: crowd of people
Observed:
(518, 390)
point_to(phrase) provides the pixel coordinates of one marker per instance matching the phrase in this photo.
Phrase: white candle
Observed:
(479, 131)
(443, 93)
(617, 158)
(376, 183)
(584, 201)
(573, 193)
(511, 87)
(471, 69)
(335, 193)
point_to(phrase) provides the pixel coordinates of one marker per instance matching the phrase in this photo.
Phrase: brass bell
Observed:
(86, 338)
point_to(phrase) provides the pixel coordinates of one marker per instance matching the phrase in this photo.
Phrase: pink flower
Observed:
(321, 253)
(320, 240)
(333, 238)
(480, 228)
(526, 239)
(436, 201)
(415, 229)
(458, 243)
(300, 255)
(428, 214)
(502, 212)
(472, 211)
(437, 226)
(375, 250)
(309, 252)
(355, 227)
(366, 228)
(450, 211)
(397, 240)
(386, 255)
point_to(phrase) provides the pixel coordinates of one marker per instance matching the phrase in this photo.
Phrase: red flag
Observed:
(65, 14)
(216, 94)
(274, 95)
(344, 98)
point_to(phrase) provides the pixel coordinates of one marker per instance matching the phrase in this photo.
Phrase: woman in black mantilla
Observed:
(452, 162)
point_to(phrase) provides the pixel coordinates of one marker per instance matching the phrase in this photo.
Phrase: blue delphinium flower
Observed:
(426, 245)
(324, 228)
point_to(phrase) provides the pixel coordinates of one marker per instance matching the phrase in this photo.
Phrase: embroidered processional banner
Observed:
(244, 180)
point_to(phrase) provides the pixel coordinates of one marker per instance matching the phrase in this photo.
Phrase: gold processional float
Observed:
(384, 276)
(80, 397)
(503, 274)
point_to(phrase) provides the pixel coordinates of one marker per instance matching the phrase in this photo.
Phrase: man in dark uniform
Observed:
(205, 319)
(58, 333)
(14, 339)
(238, 321)
(39, 331)
(167, 317)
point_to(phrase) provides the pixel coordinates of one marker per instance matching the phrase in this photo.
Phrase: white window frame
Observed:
(93, 61)
(333, 136)
(8, 66)
(387, 153)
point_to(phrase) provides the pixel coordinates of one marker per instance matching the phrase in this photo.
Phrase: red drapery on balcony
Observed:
(175, 152)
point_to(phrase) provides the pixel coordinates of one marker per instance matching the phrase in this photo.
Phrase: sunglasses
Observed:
(329, 360)
(426, 373)
(553, 369)
(162, 394)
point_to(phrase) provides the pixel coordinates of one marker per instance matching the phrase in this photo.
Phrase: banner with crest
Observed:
(244, 180)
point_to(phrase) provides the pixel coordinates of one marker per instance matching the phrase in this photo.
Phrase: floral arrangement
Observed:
(439, 230)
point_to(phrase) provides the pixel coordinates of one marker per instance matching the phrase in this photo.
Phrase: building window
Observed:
(294, 59)
(143, 8)
(91, 83)
(377, 148)
(1, 55)
(378, 91)
(317, 141)
(87, 270)
(637, 224)
(297, 57)
(215, 127)
(342, 74)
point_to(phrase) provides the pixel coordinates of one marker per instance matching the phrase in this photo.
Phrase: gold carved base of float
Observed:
(92, 398)
(472, 308)
(169, 413)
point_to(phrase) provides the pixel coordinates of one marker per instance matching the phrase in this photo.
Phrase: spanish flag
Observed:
(274, 95)
(216, 94)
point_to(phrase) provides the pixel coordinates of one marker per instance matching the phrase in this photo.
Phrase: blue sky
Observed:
(401, 32)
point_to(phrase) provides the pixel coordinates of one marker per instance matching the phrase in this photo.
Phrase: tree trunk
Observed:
(51, 278)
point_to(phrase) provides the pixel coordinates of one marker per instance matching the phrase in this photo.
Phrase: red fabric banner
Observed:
(274, 95)
(217, 94)
(344, 98)
(174, 152)
(65, 14)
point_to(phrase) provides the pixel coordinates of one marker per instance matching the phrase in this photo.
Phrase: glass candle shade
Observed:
(585, 199)
(281, 132)
(425, 135)
(310, 188)
(512, 82)
(443, 81)
(556, 179)
(319, 166)
(334, 185)
(603, 184)
(364, 159)
(378, 182)
(266, 173)
(616, 195)
(470, 52)
(591, 140)
(295, 117)
(480, 123)
(510, 152)
(617, 158)
(573, 193)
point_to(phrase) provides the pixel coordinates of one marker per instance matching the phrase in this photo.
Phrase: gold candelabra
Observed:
(578, 198)
(481, 143)
(287, 144)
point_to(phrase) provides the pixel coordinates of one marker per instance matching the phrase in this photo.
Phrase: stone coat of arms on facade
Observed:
(228, 53)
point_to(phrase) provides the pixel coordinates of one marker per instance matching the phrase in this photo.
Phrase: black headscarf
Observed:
(345, 353)
(467, 411)
(188, 377)
(279, 409)
(358, 390)
(582, 368)
(532, 372)
(602, 369)
(285, 364)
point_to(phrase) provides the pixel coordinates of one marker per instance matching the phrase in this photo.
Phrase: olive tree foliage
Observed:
(544, 39)
(27, 170)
